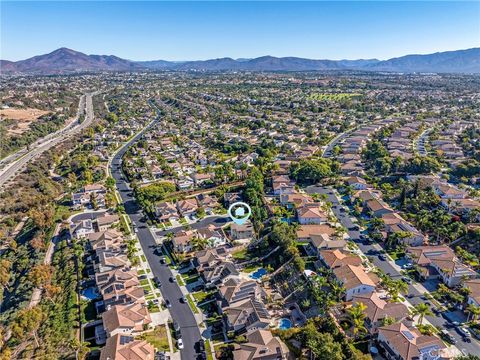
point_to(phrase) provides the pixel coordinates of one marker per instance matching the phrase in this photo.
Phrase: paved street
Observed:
(389, 267)
(181, 313)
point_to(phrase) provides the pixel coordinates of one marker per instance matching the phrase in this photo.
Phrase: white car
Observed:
(180, 344)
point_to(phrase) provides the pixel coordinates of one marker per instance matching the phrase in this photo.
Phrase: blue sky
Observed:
(201, 30)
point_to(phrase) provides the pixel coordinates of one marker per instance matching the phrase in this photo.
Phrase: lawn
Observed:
(180, 280)
(141, 272)
(250, 268)
(208, 350)
(157, 338)
(240, 254)
(144, 282)
(144, 259)
(201, 296)
(192, 304)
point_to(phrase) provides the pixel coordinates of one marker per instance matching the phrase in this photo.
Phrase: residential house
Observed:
(246, 315)
(378, 309)
(106, 221)
(474, 291)
(125, 347)
(336, 258)
(377, 207)
(355, 280)
(243, 231)
(126, 319)
(166, 211)
(311, 214)
(402, 342)
(182, 241)
(395, 224)
(187, 207)
(261, 345)
(356, 183)
(81, 228)
(234, 289)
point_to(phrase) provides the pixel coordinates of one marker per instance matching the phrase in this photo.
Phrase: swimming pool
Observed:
(284, 324)
(258, 273)
(90, 293)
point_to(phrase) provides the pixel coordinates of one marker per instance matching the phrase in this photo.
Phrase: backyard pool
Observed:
(284, 324)
(258, 274)
(90, 293)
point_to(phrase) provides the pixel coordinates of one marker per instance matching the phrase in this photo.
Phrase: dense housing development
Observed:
(363, 240)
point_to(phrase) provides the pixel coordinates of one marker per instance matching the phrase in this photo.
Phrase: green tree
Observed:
(421, 310)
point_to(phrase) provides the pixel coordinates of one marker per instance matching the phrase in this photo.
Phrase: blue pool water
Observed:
(284, 324)
(90, 293)
(258, 273)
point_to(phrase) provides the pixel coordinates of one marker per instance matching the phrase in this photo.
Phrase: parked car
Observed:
(463, 331)
(167, 302)
(157, 281)
(447, 336)
(183, 299)
(163, 260)
(407, 280)
(180, 344)
(382, 257)
(172, 279)
(176, 327)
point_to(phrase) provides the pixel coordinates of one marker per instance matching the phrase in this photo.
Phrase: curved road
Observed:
(181, 313)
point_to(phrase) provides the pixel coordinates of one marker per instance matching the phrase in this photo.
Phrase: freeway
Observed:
(388, 267)
(18, 161)
(180, 312)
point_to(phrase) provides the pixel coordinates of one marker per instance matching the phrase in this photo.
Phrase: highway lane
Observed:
(22, 158)
(181, 313)
(415, 296)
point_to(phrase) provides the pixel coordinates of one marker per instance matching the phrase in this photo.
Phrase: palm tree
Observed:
(421, 310)
(474, 311)
(356, 315)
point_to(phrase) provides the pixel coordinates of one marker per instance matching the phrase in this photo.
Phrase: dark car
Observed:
(163, 260)
(168, 304)
(176, 327)
(382, 257)
(200, 346)
(157, 281)
(183, 299)
(172, 279)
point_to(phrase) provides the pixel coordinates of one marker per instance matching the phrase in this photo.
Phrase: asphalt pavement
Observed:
(180, 312)
(415, 298)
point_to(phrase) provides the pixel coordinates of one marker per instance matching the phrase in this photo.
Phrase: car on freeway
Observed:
(180, 344)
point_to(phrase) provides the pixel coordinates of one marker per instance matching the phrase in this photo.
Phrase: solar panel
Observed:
(408, 335)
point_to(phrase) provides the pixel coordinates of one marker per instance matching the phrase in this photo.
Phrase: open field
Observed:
(22, 117)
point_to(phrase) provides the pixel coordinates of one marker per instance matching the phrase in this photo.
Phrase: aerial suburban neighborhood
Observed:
(248, 209)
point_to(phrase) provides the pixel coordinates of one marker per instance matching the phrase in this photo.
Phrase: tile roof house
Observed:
(377, 207)
(106, 221)
(246, 315)
(305, 232)
(243, 231)
(126, 319)
(234, 289)
(336, 258)
(120, 286)
(407, 343)
(378, 309)
(355, 280)
(81, 229)
(106, 239)
(166, 211)
(394, 223)
(209, 257)
(356, 183)
(440, 262)
(214, 275)
(182, 241)
(311, 214)
(125, 347)
(261, 345)
(187, 207)
(474, 295)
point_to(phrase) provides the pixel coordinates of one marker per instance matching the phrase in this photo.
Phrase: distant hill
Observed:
(459, 61)
(66, 60)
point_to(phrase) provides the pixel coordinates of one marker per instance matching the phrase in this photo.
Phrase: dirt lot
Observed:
(23, 118)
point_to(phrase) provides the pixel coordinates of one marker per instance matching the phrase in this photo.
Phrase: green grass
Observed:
(192, 304)
(200, 296)
(240, 254)
(208, 350)
(124, 224)
(250, 268)
(141, 272)
(144, 259)
(157, 338)
(144, 282)
(180, 280)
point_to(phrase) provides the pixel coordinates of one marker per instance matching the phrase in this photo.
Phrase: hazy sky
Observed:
(201, 30)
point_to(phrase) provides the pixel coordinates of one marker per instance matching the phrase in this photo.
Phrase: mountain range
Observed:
(65, 60)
